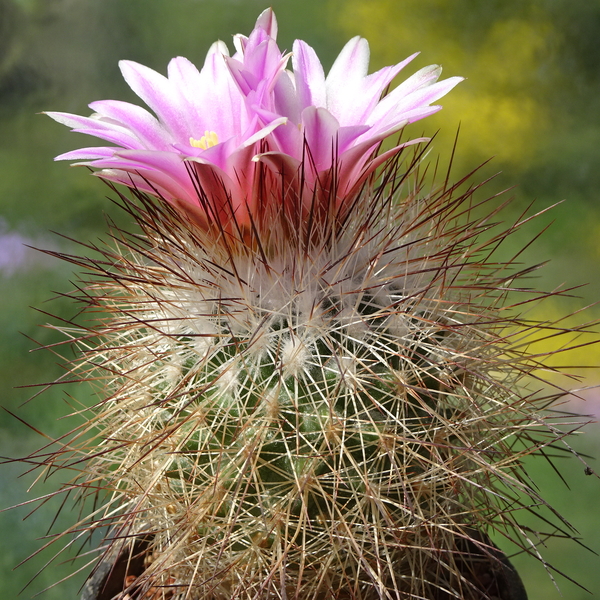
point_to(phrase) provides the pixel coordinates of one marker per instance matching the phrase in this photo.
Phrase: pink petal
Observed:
(354, 105)
(124, 139)
(423, 77)
(165, 168)
(217, 155)
(285, 99)
(95, 123)
(287, 171)
(267, 21)
(224, 195)
(148, 182)
(420, 98)
(74, 121)
(97, 127)
(280, 163)
(320, 132)
(437, 90)
(169, 162)
(262, 133)
(309, 76)
(351, 63)
(416, 114)
(239, 43)
(87, 153)
(357, 165)
(159, 94)
(218, 47)
(375, 83)
(348, 135)
(184, 77)
(287, 138)
(145, 126)
(220, 105)
(244, 79)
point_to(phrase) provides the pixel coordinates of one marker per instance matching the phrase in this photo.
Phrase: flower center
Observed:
(208, 140)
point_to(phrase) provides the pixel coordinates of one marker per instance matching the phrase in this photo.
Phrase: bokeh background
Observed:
(531, 100)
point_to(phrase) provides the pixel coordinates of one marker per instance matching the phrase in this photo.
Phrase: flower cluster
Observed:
(211, 127)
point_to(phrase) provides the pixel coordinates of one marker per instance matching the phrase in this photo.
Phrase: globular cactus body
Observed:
(299, 410)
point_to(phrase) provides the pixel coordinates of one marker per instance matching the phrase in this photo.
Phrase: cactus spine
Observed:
(328, 403)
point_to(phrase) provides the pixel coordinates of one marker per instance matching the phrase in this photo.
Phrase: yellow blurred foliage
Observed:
(509, 62)
(500, 106)
(577, 354)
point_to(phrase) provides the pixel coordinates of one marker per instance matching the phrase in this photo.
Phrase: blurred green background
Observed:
(531, 100)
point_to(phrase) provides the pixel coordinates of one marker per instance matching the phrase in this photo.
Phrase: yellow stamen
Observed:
(208, 140)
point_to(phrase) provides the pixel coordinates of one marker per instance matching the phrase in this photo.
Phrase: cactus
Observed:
(316, 389)
(322, 407)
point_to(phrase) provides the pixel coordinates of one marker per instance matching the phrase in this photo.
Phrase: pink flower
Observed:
(335, 120)
(211, 127)
(202, 120)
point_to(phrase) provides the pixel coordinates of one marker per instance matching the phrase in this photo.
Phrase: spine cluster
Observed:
(332, 402)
